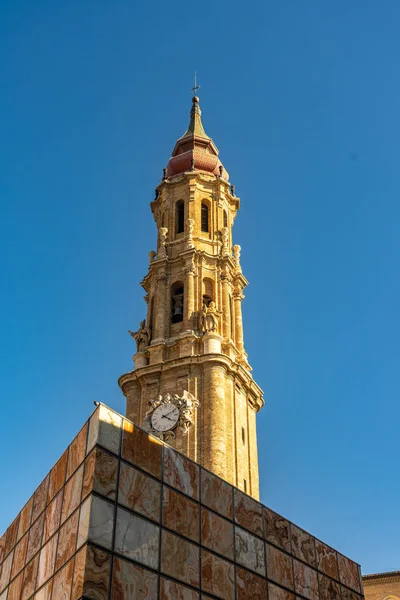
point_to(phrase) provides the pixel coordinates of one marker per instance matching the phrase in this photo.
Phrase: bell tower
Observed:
(192, 337)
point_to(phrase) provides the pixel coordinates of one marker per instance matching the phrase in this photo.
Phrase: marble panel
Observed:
(6, 571)
(303, 545)
(14, 591)
(249, 551)
(2, 546)
(137, 539)
(67, 540)
(19, 556)
(170, 590)
(217, 576)
(35, 537)
(250, 586)
(72, 494)
(248, 513)
(216, 494)
(349, 594)
(45, 592)
(278, 593)
(47, 561)
(181, 473)
(63, 581)
(11, 536)
(39, 499)
(52, 517)
(29, 581)
(279, 567)
(328, 588)
(25, 519)
(216, 533)
(96, 522)
(77, 450)
(277, 529)
(305, 581)
(105, 430)
(141, 449)
(181, 514)
(79, 574)
(100, 474)
(349, 573)
(327, 559)
(139, 492)
(97, 574)
(57, 476)
(179, 559)
(131, 582)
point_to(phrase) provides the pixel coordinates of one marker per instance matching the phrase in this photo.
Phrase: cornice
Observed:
(386, 577)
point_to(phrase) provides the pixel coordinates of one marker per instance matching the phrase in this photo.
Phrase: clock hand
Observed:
(170, 413)
(166, 417)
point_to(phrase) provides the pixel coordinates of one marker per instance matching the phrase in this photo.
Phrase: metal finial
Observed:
(195, 87)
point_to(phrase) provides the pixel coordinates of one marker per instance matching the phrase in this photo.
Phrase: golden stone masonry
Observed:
(192, 337)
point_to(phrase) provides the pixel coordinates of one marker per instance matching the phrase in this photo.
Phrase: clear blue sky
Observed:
(302, 98)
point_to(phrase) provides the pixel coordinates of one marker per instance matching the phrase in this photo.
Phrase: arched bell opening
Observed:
(177, 301)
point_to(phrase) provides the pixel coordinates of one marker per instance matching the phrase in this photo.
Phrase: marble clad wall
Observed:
(122, 516)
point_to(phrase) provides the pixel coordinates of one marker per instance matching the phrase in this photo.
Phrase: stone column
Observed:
(161, 303)
(226, 311)
(237, 297)
(214, 429)
(253, 454)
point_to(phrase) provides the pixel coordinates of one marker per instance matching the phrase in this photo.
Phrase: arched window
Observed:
(177, 302)
(225, 219)
(204, 217)
(208, 291)
(180, 217)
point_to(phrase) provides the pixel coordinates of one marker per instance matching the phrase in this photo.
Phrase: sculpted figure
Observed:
(142, 336)
(225, 240)
(190, 223)
(209, 318)
(163, 238)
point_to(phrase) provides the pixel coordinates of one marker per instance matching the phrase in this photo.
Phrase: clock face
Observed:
(165, 417)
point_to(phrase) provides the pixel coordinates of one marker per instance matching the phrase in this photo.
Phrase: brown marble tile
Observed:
(57, 476)
(39, 499)
(170, 590)
(305, 581)
(11, 536)
(52, 517)
(96, 522)
(216, 533)
(279, 567)
(142, 450)
(46, 561)
(63, 581)
(14, 591)
(181, 514)
(131, 581)
(277, 529)
(248, 513)
(328, 588)
(79, 574)
(137, 539)
(349, 573)
(303, 545)
(139, 492)
(349, 594)
(100, 474)
(5, 571)
(2, 546)
(35, 537)
(72, 494)
(25, 519)
(45, 592)
(19, 556)
(250, 586)
(327, 559)
(179, 559)
(217, 576)
(67, 540)
(181, 473)
(104, 429)
(249, 551)
(29, 580)
(97, 574)
(277, 593)
(77, 451)
(216, 494)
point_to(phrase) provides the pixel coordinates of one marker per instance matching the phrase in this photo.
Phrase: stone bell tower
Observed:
(192, 337)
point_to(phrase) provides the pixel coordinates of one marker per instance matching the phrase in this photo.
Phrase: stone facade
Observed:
(194, 333)
(382, 586)
(123, 516)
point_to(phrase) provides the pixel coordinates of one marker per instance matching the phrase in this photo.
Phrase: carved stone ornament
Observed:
(162, 253)
(169, 414)
(225, 241)
(190, 229)
(209, 318)
(142, 336)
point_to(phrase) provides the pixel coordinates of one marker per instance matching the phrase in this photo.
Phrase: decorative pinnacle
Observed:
(195, 87)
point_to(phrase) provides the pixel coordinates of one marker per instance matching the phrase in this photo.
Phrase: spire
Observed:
(195, 128)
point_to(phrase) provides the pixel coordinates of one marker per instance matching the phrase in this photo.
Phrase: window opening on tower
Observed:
(180, 216)
(204, 217)
(177, 302)
(225, 219)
